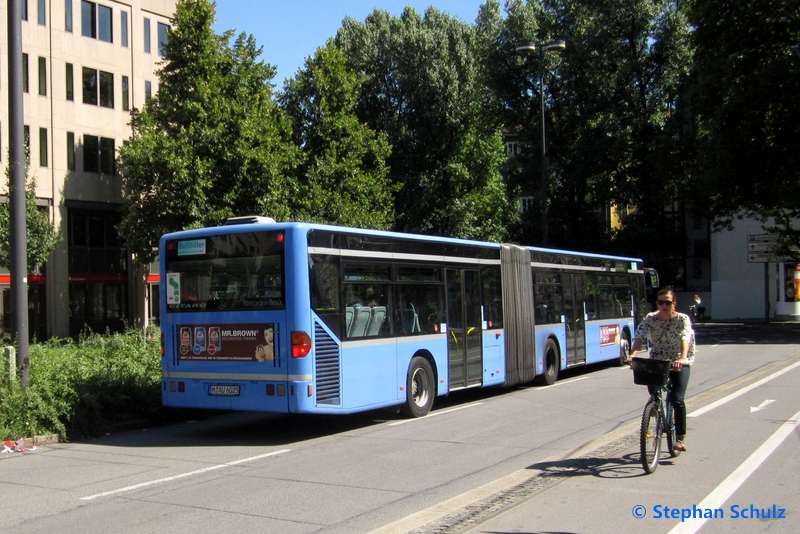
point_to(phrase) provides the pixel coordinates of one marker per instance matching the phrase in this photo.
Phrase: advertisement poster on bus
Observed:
(240, 342)
(609, 335)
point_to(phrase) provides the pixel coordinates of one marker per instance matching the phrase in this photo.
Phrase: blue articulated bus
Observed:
(309, 318)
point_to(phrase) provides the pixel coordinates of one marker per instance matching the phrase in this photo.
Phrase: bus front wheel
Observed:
(419, 388)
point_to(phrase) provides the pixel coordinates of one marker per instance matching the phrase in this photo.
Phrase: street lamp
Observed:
(525, 49)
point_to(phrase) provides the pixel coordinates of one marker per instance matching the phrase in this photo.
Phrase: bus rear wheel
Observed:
(419, 388)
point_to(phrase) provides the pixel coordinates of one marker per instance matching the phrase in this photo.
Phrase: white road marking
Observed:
(761, 406)
(434, 414)
(183, 475)
(754, 385)
(721, 493)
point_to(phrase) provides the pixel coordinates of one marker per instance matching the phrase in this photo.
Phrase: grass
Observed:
(84, 389)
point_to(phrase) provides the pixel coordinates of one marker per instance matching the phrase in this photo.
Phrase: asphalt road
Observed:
(529, 459)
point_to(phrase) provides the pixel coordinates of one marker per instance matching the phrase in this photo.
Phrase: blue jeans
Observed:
(678, 382)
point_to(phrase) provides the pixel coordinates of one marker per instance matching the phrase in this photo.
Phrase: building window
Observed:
(163, 31)
(24, 73)
(123, 26)
(697, 268)
(43, 158)
(68, 15)
(98, 154)
(89, 86)
(526, 204)
(106, 89)
(88, 19)
(146, 35)
(94, 83)
(43, 76)
(148, 91)
(126, 106)
(107, 156)
(71, 151)
(96, 21)
(96, 249)
(70, 83)
(24, 9)
(106, 31)
(42, 13)
(91, 153)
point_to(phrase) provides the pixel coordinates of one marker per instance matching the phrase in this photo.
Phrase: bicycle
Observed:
(697, 315)
(658, 417)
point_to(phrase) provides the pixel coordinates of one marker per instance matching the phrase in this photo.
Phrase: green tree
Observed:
(212, 143)
(746, 82)
(610, 103)
(343, 174)
(424, 88)
(42, 236)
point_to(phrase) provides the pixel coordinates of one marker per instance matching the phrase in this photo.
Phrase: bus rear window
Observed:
(226, 273)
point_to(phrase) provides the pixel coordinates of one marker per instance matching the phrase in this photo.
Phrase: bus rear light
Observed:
(301, 344)
(162, 344)
(172, 387)
(181, 387)
(310, 390)
(270, 390)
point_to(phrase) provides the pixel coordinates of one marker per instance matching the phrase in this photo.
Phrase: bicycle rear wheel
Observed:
(670, 432)
(650, 436)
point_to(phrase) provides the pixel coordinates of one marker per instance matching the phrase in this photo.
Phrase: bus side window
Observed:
(418, 309)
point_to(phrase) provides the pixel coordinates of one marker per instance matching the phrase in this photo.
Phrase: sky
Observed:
(291, 30)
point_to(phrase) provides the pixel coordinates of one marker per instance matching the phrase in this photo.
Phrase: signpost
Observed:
(761, 249)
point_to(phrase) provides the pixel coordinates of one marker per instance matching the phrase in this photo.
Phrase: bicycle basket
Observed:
(648, 372)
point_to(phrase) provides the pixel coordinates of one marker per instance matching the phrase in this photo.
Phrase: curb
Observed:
(47, 439)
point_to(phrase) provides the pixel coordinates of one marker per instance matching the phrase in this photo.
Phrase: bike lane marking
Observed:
(727, 487)
(183, 475)
(723, 400)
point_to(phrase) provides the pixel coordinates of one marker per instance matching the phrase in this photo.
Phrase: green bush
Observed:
(84, 389)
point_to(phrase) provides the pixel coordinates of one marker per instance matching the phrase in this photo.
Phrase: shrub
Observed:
(83, 389)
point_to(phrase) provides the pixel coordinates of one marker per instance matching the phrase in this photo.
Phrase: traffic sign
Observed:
(763, 238)
(766, 258)
(761, 247)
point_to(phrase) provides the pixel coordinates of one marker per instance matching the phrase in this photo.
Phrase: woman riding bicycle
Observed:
(671, 338)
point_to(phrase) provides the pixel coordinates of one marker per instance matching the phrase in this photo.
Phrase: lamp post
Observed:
(525, 49)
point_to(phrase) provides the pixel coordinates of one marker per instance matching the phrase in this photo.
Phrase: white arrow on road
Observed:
(761, 406)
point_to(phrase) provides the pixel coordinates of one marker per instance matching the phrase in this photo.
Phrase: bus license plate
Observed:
(224, 391)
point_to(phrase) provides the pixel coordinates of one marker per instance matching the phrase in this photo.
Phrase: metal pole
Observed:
(766, 292)
(16, 163)
(543, 162)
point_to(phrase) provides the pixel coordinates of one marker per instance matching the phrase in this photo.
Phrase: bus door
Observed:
(464, 334)
(574, 296)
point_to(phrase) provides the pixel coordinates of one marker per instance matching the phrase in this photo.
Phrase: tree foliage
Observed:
(41, 236)
(424, 88)
(610, 99)
(212, 143)
(342, 175)
(746, 81)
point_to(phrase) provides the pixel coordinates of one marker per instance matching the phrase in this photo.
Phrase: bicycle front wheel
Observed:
(670, 432)
(650, 436)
